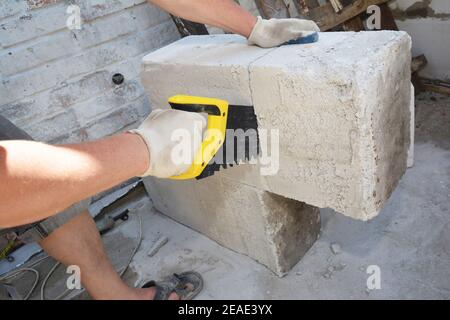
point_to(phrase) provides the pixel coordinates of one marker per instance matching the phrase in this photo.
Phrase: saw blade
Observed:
(241, 142)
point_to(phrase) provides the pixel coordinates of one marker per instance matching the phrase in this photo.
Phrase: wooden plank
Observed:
(312, 4)
(260, 4)
(337, 5)
(354, 24)
(347, 2)
(436, 86)
(327, 19)
(189, 28)
(304, 6)
(387, 18)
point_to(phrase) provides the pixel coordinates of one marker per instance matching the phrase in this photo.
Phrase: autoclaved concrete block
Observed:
(273, 230)
(336, 115)
(340, 107)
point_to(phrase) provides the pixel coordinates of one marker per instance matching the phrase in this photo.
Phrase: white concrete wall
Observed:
(56, 83)
(428, 23)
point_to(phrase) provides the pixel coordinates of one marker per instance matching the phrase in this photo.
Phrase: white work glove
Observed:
(275, 32)
(172, 138)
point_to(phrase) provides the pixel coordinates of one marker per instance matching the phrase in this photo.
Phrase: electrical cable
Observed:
(17, 272)
(56, 265)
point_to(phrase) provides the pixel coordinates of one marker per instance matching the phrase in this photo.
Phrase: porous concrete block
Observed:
(269, 228)
(340, 106)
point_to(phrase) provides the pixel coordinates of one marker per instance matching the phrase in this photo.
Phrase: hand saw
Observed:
(231, 137)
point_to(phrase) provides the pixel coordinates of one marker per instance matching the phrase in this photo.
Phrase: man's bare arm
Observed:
(39, 180)
(225, 14)
(228, 15)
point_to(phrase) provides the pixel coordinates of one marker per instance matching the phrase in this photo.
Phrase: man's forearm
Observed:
(38, 180)
(225, 14)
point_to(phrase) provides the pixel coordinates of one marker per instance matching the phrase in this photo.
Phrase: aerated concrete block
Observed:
(340, 107)
(269, 228)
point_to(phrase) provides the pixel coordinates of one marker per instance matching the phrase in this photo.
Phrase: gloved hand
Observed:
(274, 32)
(164, 131)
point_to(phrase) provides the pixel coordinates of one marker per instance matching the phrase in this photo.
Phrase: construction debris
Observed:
(336, 248)
(331, 269)
(158, 244)
(437, 86)
(418, 63)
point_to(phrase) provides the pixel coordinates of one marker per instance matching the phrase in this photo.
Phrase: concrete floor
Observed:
(409, 241)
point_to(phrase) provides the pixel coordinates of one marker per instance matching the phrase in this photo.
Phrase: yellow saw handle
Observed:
(217, 111)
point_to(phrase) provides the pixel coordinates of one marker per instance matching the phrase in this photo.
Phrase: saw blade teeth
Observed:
(239, 118)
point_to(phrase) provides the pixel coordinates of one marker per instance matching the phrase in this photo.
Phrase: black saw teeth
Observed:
(239, 117)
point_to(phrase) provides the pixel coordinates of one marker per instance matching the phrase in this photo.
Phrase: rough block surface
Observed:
(271, 229)
(341, 107)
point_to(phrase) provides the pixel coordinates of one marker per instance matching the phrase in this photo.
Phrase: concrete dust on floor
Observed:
(409, 241)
